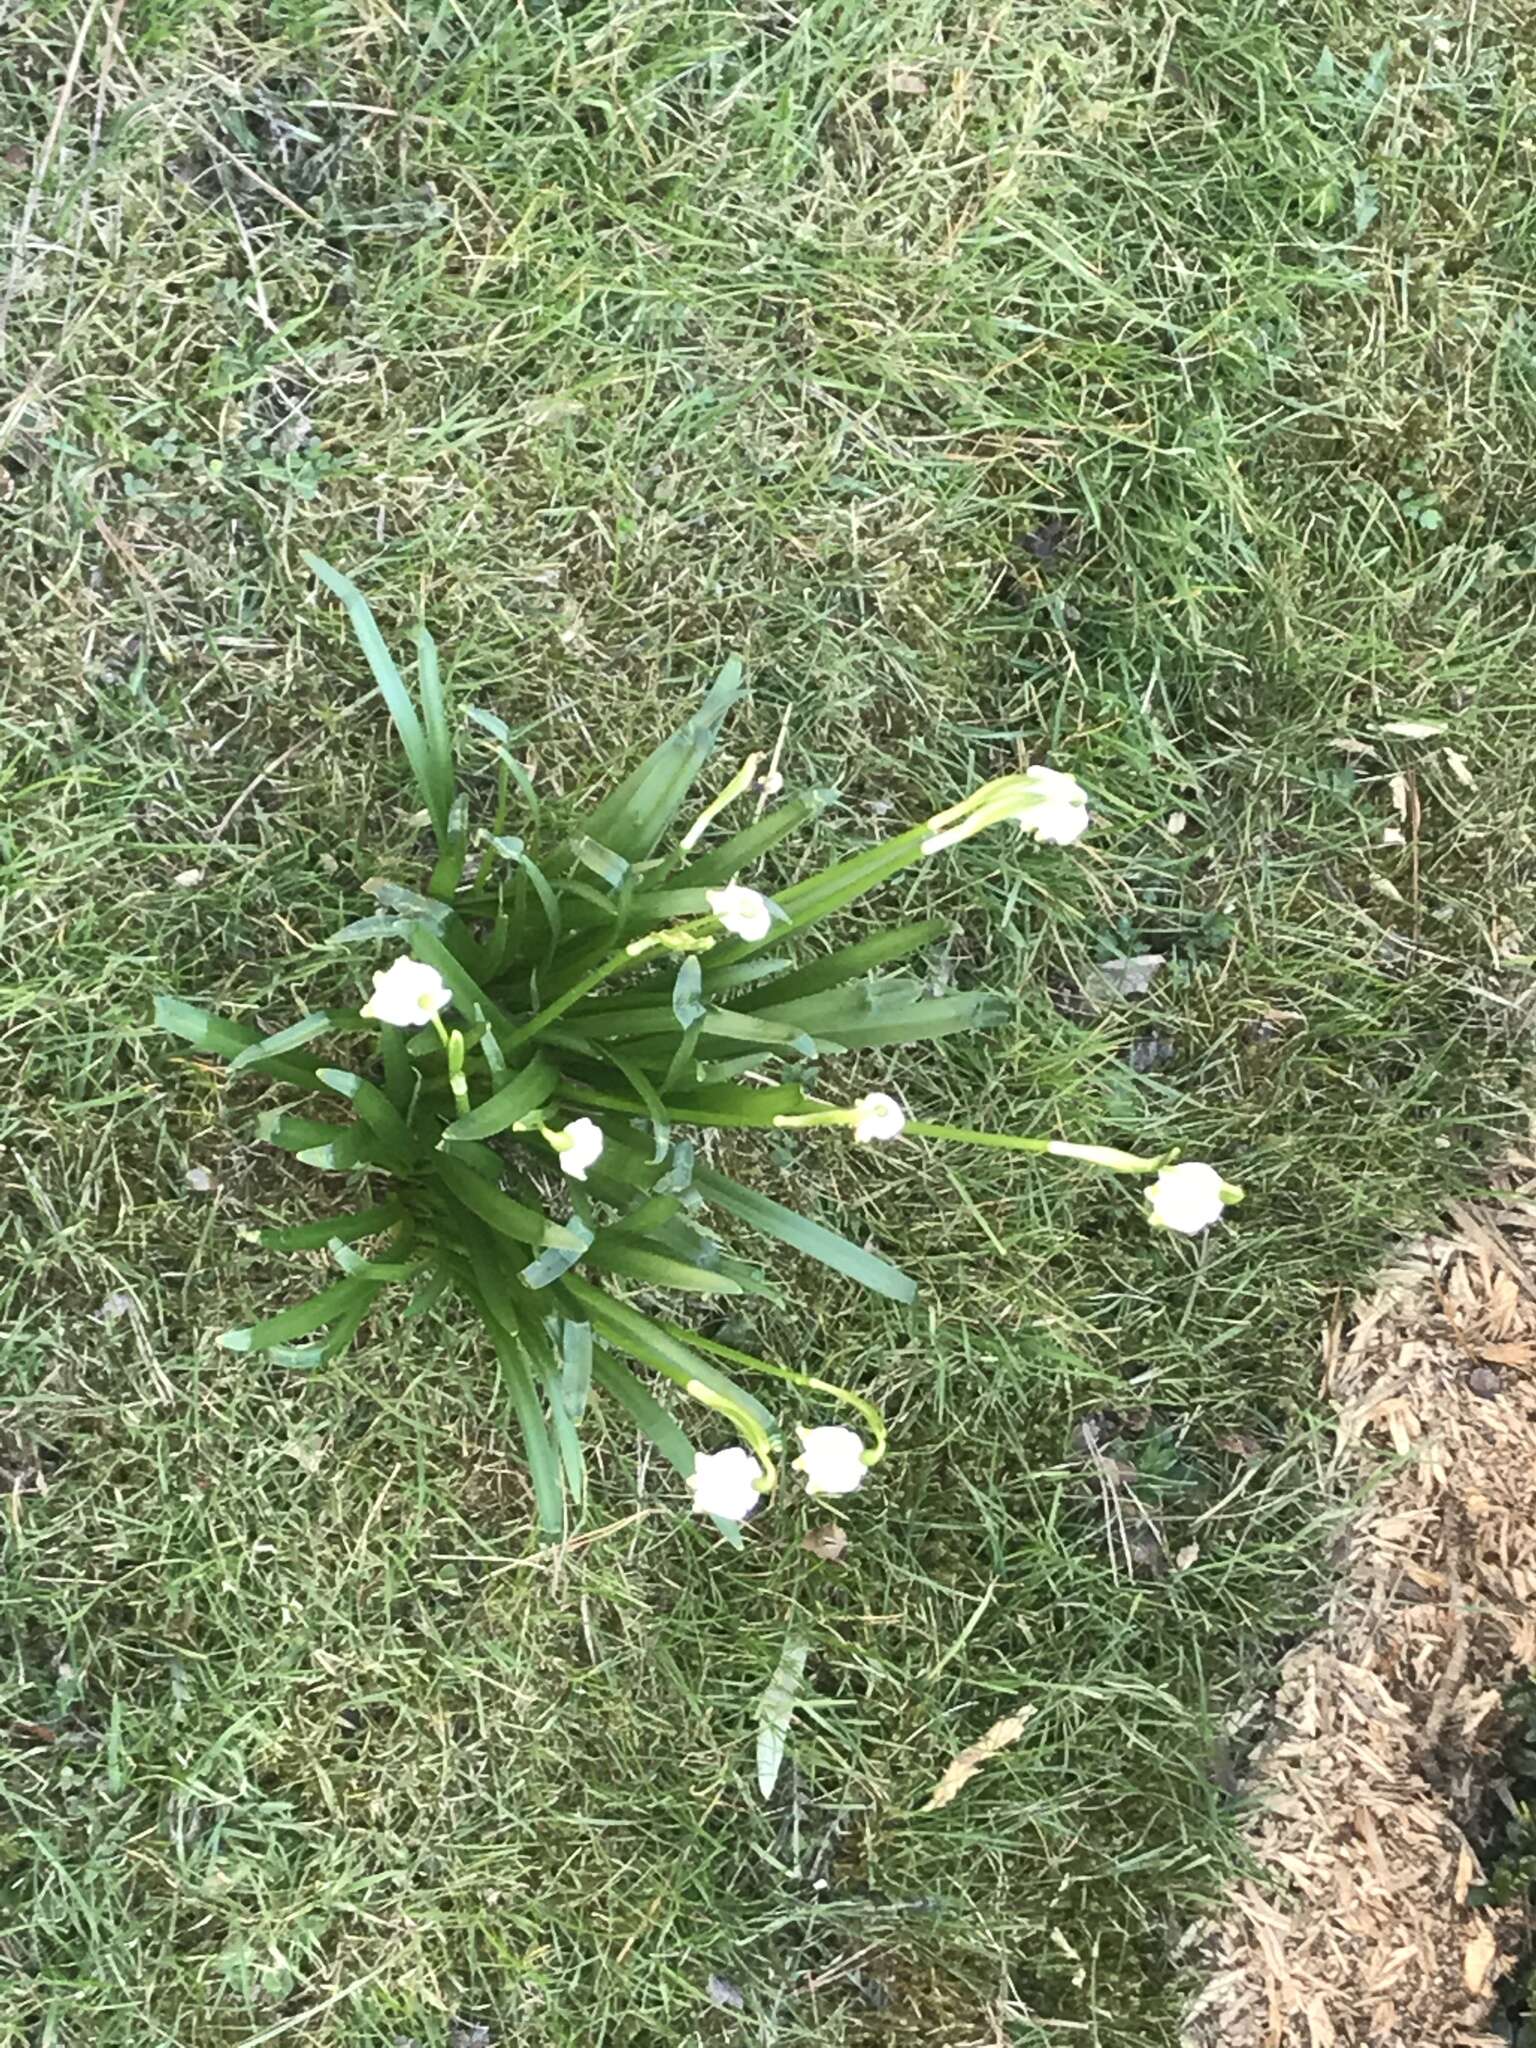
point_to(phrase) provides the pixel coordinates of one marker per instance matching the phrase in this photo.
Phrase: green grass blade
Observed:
(802, 1235)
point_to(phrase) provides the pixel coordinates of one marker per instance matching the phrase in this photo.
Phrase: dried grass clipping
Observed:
(1387, 1725)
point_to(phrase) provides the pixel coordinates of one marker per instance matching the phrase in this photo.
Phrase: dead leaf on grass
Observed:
(1000, 1736)
(1111, 981)
(828, 1542)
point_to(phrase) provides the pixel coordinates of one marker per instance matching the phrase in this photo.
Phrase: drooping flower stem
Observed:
(1057, 1148)
(805, 1380)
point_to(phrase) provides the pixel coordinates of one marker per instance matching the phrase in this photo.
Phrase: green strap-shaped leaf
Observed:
(776, 1708)
(632, 820)
(733, 856)
(849, 963)
(226, 1040)
(686, 1006)
(627, 1330)
(517, 1384)
(304, 1316)
(613, 1254)
(575, 1367)
(309, 1237)
(508, 1218)
(557, 1260)
(289, 1039)
(523, 1094)
(434, 711)
(378, 1113)
(802, 1235)
(645, 1411)
(896, 1014)
(436, 789)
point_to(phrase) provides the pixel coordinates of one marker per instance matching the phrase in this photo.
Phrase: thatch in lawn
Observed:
(1381, 1763)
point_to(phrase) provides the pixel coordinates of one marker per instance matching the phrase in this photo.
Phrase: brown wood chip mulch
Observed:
(1381, 1758)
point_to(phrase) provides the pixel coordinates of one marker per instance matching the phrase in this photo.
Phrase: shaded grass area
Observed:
(1154, 397)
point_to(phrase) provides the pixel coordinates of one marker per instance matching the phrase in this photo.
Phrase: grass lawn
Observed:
(1152, 391)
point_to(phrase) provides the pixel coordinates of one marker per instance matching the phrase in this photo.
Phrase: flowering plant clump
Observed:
(563, 1020)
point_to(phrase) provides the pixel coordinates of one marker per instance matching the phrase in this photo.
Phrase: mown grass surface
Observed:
(1149, 393)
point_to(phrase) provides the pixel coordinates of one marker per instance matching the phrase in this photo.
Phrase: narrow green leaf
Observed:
(609, 866)
(428, 1294)
(733, 856)
(645, 1411)
(632, 820)
(408, 903)
(553, 1264)
(434, 710)
(575, 1366)
(304, 1316)
(686, 1006)
(508, 1218)
(307, 1237)
(374, 1107)
(848, 963)
(518, 1386)
(448, 871)
(289, 1039)
(382, 1270)
(525, 1093)
(225, 1039)
(776, 1708)
(802, 1235)
(627, 1330)
(895, 1017)
(391, 687)
(611, 1254)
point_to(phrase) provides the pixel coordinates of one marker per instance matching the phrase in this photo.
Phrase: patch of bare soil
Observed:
(1381, 1768)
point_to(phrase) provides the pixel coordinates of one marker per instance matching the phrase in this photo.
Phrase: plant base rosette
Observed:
(531, 1084)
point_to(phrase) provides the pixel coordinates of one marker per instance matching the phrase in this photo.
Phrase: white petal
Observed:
(877, 1119)
(407, 994)
(743, 912)
(1186, 1198)
(724, 1483)
(832, 1459)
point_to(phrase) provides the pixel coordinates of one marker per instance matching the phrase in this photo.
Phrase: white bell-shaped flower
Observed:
(724, 1483)
(409, 994)
(1054, 807)
(831, 1459)
(579, 1145)
(1187, 1198)
(742, 911)
(877, 1119)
